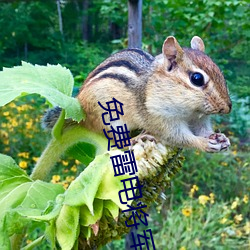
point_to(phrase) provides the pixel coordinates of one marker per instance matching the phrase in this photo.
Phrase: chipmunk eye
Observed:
(197, 79)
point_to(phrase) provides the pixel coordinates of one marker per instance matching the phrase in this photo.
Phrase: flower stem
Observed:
(58, 146)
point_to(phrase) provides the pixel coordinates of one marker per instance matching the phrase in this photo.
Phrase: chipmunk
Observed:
(170, 96)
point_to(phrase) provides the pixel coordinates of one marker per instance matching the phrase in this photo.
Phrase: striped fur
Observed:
(134, 62)
(158, 95)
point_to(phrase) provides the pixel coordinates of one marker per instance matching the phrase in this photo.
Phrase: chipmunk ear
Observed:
(197, 43)
(171, 49)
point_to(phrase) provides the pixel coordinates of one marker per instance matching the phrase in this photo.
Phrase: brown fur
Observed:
(157, 94)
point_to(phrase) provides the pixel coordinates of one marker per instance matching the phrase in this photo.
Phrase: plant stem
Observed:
(57, 147)
(16, 240)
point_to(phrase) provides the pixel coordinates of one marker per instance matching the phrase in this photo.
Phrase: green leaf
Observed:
(96, 181)
(6, 186)
(39, 194)
(86, 232)
(111, 185)
(14, 198)
(9, 168)
(20, 197)
(47, 216)
(53, 82)
(50, 234)
(83, 152)
(7, 220)
(112, 207)
(4, 240)
(83, 189)
(34, 243)
(86, 218)
(13, 223)
(26, 202)
(67, 226)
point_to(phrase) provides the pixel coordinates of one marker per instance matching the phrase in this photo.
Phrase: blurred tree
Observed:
(31, 31)
(134, 23)
(58, 2)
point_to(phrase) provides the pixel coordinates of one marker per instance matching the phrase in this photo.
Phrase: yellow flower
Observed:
(29, 124)
(197, 242)
(182, 248)
(14, 123)
(70, 178)
(247, 227)
(193, 190)
(73, 168)
(238, 233)
(245, 199)
(65, 185)
(234, 152)
(35, 159)
(203, 199)
(55, 178)
(235, 203)
(223, 220)
(6, 149)
(187, 211)
(6, 141)
(223, 235)
(77, 162)
(65, 163)
(238, 218)
(12, 105)
(4, 134)
(23, 107)
(211, 195)
(224, 164)
(6, 113)
(23, 164)
(24, 154)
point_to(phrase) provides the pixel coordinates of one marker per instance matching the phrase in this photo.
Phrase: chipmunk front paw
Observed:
(142, 138)
(217, 142)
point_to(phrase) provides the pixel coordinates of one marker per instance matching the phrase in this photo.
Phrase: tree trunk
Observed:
(85, 20)
(59, 16)
(135, 23)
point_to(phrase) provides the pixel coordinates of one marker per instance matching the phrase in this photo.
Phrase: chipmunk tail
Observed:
(50, 118)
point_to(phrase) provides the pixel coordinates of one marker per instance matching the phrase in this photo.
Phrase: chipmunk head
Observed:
(202, 79)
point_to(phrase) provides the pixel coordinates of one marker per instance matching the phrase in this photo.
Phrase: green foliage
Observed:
(19, 198)
(53, 82)
(204, 223)
(232, 166)
(24, 200)
(81, 58)
(223, 25)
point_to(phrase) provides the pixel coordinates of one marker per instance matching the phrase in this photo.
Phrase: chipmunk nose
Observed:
(226, 109)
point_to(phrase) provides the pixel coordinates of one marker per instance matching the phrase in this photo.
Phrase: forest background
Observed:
(207, 205)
